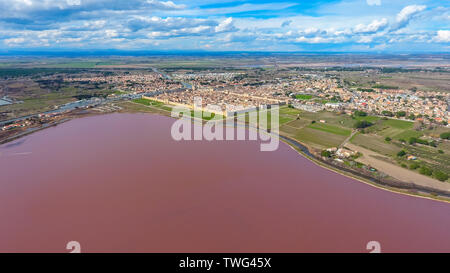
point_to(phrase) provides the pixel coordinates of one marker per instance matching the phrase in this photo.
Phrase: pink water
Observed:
(119, 183)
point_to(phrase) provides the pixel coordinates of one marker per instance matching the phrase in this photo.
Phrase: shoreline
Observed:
(401, 187)
(394, 189)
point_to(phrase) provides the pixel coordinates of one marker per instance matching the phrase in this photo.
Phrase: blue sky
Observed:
(227, 25)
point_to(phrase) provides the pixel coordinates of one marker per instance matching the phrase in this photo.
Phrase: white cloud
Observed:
(319, 40)
(373, 27)
(407, 14)
(373, 2)
(157, 27)
(226, 25)
(155, 23)
(189, 25)
(248, 8)
(73, 2)
(443, 36)
(14, 41)
(110, 33)
(365, 40)
(165, 5)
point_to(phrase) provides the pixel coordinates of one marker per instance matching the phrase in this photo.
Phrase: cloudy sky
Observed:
(227, 25)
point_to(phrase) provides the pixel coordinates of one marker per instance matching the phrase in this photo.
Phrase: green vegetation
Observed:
(148, 102)
(445, 135)
(441, 176)
(399, 124)
(425, 171)
(287, 111)
(208, 115)
(284, 119)
(407, 134)
(286, 115)
(24, 72)
(414, 140)
(360, 114)
(330, 129)
(318, 138)
(387, 113)
(381, 86)
(303, 97)
(326, 153)
(363, 124)
(366, 89)
(372, 119)
(400, 114)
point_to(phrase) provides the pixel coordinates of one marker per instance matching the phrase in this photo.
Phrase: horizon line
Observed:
(18, 52)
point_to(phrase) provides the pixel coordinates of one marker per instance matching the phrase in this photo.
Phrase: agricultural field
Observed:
(407, 134)
(390, 137)
(154, 104)
(395, 129)
(384, 137)
(317, 135)
(422, 80)
(318, 139)
(341, 120)
(330, 129)
(375, 143)
(372, 119)
(148, 102)
(428, 156)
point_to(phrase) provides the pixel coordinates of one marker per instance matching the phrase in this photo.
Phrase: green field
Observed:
(395, 129)
(303, 97)
(74, 65)
(291, 112)
(209, 116)
(376, 144)
(407, 134)
(298, 123)
(372, 119)
(317, 135)
(285, 116)
(153, 103)
(148, 102)
(318, 139)
(399, 124)
(162, 106)
(285, 119)
(330, 129)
